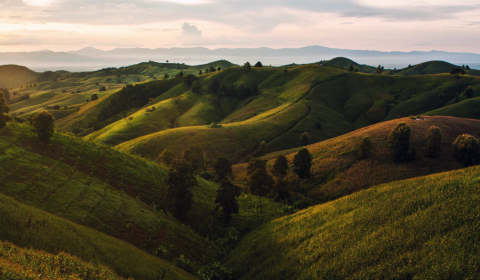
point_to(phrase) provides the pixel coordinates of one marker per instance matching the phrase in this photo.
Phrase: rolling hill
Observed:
(422, 228)
(12, 76)
(336, 170)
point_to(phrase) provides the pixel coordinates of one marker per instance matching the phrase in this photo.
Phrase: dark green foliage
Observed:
(223, 168)
(219, 68)
(4, 109)
(167, 157)
(56, 107)
(304, 139)
(399, 143)
(261, 150)
(226, 197)
(103, 88)
(280, 188)
(189, 79)
(457, 71)
(260, 184)
(247, 67)
(364, 148)
(200, 72)
(133, 96)
(185, 264)
(214, 86)
(469, 92)
(43, 126)
(180, 180)
(302, 162)
(166, 76)
(215, 272)
(258, 64)
(256, 163)
(457, 97)
(212, 69)
(379, 70)
(351, 69)
(280, 166)
(194, 156)
(434, 142)
(441, 97)
(197, 87)
(94, 97)
(467, 150)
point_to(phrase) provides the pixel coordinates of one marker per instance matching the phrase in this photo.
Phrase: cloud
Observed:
(192, 36)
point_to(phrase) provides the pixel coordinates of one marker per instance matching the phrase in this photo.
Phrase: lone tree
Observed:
(180, 180)
(379, 70)
(167, 157)
(94, 97)
(223, 168)
(260, 184)
(399, 142)
(441, 97)
(302, 163)
(200, 72)
(254, 164)
(304, 139)
(434, 142)
(351, 69)
(227, 194)
(247, 67)
(467, 150)
(258, 64)
(43, 126)
(280, 166)
(457, 71)
(469, 92)
(364, 148)
(4, 109)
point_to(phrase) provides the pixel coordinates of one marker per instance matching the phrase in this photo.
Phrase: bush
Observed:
(364, 148)
(215, 272)
(56, 107)
(302, 162)
(466, 149)
(185, 264)
(304, 139)
(399, 143)
(434, 141)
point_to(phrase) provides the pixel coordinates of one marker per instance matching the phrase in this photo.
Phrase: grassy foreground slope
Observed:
(468, 108)
(423, 228)
(336, 170)
(20, 263)
(28, 227)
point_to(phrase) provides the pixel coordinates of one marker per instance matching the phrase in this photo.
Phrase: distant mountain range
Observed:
(91, 58)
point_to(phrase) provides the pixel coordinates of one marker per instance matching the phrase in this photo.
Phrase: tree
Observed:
(254, 164)
(280, 188)
(364, 148)
(434, 141)
(399, 143)
(226, 197)
(242, 89)
(200, 72)
(212, 69)
(247, 67)
(43, 126)
(180, 180)
(196, 157)
(223, 168)
(94, 97)
(379, 70)
(457, 71)
(197, 87)
(261, 150)
(167, 157)
(302, 162)
(103, 88)
(441, 97)
(4, 109)
(258, 64)
(214, 86)
(56, 107)
(260, 184)
(280, 166)
(351, 69)
(457, 97)
(304, 139)
(219, 68)
(469, 92)
(206, 162)
(189, 79)
(467, 67)
(467, 150)
(166, 76)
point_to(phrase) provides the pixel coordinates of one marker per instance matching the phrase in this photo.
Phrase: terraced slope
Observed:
(336, 170)
(423, 228)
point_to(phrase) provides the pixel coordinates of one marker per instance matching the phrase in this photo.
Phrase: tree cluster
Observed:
(399, 143)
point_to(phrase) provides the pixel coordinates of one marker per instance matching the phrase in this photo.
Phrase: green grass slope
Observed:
(12, 76)
(336, 170)
(468, 108)
(423, 228)
(29, 227)
(431, 67)
(20, 263)
(345, 63)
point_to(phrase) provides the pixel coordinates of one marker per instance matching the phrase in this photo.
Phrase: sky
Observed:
(385, 25)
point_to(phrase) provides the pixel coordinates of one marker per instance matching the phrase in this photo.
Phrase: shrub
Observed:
(434, 141)
(43, 126)
(364, 148)
(399, 143)
(466, 149)
(226, 197)
(469, 92)
(215, 272)
(167, 157)
(258, 64)
(180, 180)
(56, 107)
(280, 166)
(260, 184)
(223, 168)
(304, 139)
(185, 264)
(302, 162)
(94, 97)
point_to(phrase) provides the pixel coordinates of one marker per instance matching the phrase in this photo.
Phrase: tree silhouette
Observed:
(302, 162)
(304, 139)
(223, 168)
(434, 141)
(226, 197)
(167, 157)
(457, 71)
(280, 166)
(260, 184)
(43, 126)
(254, 164)
(399, 143)
(180, 180)
(4, 109)
(365, 147)
(258, 64)
(467, 150)
(469, 92)
(247, 67)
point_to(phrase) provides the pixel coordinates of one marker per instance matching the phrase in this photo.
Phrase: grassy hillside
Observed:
(467, 108)
(19, 263)
(28, 227)
(12, 76)
(345, 63)
(336, 170)
(431, 67)
(423, 228)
